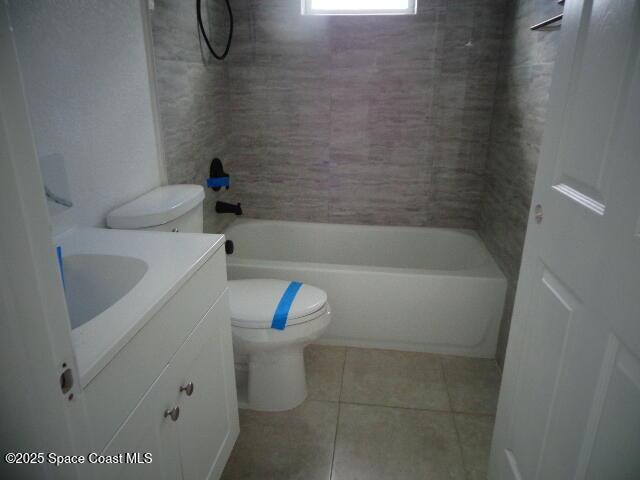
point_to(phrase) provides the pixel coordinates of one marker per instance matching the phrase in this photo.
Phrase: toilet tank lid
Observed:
(157, 207)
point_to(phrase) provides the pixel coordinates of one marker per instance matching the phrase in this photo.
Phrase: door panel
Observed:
(616, 440)
(583, 357)
(570, 399)
(553, 309)
(592, 117)
(147, 430)
(208, 425)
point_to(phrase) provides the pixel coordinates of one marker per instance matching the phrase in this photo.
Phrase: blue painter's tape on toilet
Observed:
(279, 321)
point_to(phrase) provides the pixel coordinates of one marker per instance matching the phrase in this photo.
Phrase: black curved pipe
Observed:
(204, 34)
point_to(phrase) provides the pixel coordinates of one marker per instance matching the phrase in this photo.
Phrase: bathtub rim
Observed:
(487, 272)
(409, 228)
(488, 269)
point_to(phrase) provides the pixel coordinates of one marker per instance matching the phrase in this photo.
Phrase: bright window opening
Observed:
(359, 7)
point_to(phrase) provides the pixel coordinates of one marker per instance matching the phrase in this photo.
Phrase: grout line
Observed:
(473, 414)
(455, 424)
(420, 409)
(446, 384)
(400, 407)
(335, 436)
(344, 367)
(462, 457)
(335, 441)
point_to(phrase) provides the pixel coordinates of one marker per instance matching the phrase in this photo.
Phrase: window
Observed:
(359, 7)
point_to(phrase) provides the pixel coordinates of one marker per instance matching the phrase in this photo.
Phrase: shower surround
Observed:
(432, 119)
(524, 79)
(368, 119)
(363, 119)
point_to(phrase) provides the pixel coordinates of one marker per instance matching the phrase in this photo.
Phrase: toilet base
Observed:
(275, 381)
(270, 373)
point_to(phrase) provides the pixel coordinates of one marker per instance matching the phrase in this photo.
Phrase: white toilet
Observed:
(269, 361)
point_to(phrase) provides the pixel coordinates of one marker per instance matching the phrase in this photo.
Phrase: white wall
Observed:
(87, 82)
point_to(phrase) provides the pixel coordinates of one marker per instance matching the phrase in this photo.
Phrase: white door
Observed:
(570, 400)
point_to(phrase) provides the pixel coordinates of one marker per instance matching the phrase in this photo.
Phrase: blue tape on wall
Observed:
(61, 265)
(218, 182)
(282, 310)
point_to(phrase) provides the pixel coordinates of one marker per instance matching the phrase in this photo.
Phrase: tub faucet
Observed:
(223, 207)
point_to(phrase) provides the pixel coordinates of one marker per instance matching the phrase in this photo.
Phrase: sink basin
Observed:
(117, 280)
(94, 282)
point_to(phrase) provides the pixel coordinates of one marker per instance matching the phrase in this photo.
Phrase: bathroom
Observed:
(286, 239)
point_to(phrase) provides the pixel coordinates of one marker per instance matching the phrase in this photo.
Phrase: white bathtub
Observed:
(422, 289)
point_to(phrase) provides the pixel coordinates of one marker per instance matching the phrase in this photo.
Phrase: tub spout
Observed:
(223, 207)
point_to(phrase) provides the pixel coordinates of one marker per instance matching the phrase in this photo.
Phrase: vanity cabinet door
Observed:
(208, 424)
(147, 430)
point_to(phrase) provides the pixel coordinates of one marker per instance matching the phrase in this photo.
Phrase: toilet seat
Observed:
(254, 301)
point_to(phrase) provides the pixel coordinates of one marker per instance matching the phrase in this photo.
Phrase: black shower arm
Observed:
(204, 33)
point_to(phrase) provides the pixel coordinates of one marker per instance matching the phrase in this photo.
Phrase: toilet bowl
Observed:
(269, 354)
(269, 362)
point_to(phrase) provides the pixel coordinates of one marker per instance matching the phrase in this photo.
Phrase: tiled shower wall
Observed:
(376, 120)
(191, 88)
(520, 106)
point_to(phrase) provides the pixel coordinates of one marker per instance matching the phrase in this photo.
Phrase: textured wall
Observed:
(381, 120)
(84, 66)
(518, 122)
(192, 94)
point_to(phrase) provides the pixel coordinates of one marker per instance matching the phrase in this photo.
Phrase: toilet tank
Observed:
(170, 208)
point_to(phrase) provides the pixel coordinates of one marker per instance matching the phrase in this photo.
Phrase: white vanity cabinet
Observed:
(146, 430)
(186, 414)
(208, 425)
(198, 387)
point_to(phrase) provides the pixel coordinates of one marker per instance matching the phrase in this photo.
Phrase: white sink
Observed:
(116, 280)
(94, 282)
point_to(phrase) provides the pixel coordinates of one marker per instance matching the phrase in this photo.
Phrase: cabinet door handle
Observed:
(173, 413)
(188, 389)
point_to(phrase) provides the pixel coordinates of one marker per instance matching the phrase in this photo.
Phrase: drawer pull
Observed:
(173, 413)
(188, 389)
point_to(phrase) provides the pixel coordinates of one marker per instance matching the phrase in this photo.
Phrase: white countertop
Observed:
(172, 259)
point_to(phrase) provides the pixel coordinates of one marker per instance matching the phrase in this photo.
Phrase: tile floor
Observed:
(375, 414)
